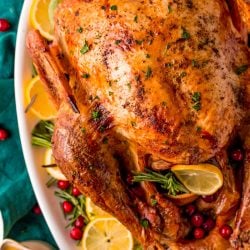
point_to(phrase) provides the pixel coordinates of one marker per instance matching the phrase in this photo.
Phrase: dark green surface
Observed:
(16, 195)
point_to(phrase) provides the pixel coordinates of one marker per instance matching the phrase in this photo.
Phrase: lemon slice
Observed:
(55, 172)
(52, 6)
(106, 234)
(202, 179)
(39, 18)
(94, 211)
(42, 107)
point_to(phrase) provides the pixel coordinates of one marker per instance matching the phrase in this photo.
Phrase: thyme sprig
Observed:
(42, 134)
(167, 181)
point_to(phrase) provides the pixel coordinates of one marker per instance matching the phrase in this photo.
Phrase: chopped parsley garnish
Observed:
(169, 65)
(139, 42)
(195, 64)
(117, 42)
(144, 223)
(196, 99)
(241, 69)
(170, 8)
(111, 93)
(85, 75)
(153, 202)
(83, 130)
(133, 124)
(136, 19)
(164, 104)
(105, 140)
(113, 7)
(91, 98)
(85, 48)
(96, 115)
(185, 34)
(148, 72)
(198, 129)
(80, 30)
(197, 106)
(129, 85)
(183, 74)
(102, 129)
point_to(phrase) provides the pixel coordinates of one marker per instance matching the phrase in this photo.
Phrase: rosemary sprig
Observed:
(42, 134)
(79, 206)
(51, 182)
(167, 181)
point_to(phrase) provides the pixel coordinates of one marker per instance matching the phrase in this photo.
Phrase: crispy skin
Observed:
(241, 236)
(159, 103)
(133, 75)
(94, 167)
(244, 9)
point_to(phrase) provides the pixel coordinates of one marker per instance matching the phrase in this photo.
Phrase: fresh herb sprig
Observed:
(79, 203)
(167, 181)
(42, 134)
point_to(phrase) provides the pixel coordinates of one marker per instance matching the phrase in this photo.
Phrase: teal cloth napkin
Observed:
(16, 194)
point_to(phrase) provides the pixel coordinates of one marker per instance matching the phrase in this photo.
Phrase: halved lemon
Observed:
(55, 172)
(106, 234)
(202, 179)
(94, 211)
(42, 107)
(39, 18)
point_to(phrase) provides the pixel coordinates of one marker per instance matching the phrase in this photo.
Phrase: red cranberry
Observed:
(79, 222)
(199, 233)
(76, 233)
(226, 231)
(63, 184)
(197, 219)
(67, 207)
(37, 210)
(4, 25)
(3, 134)
(237, 155)
(208, 198)
(75, 191)
(190, 209)
(209, 224)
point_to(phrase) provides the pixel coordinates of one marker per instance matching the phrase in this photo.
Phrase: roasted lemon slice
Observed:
(55, 172)
(42, 107)
(108, 234)
(40, 17)
(202, 179)
(94, 211)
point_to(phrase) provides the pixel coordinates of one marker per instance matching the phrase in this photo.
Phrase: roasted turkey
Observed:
(161, 83)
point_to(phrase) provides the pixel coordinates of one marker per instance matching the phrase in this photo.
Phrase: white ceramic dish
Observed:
(33, 157)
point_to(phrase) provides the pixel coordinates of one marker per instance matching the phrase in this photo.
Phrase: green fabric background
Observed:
(16, 194)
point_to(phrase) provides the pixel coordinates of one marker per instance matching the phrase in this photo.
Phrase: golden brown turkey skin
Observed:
(165, 70)
(165, 79)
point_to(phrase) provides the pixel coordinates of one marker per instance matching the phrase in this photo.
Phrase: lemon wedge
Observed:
(108, 234)
(42, 107)
(54, 172)
(202, 179)
(94, 211)
(39, 18)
